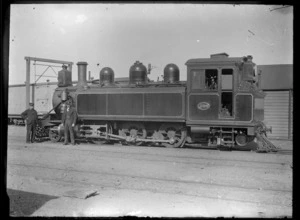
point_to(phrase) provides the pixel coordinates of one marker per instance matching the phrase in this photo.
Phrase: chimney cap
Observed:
(82, 63)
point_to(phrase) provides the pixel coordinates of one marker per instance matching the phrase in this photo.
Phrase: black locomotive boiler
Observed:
(219, 104)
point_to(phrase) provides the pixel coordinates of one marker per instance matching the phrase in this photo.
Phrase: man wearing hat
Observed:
(31, 120)
(69, 118)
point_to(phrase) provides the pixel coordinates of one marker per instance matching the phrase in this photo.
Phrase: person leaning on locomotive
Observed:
(69, 118)
(31, 120)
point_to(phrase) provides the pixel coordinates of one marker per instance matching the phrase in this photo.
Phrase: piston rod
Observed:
(131, 139)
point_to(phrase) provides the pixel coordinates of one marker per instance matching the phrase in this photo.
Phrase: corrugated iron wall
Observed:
(291, 114)
(277, 113)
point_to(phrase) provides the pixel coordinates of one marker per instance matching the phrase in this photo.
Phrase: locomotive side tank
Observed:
(137, 113)
(150, 104)
(132, 103)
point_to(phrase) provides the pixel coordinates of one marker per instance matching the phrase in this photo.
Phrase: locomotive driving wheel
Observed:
(175, 133)
(132, 131)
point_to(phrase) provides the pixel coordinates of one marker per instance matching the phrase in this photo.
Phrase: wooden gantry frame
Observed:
(34, 59)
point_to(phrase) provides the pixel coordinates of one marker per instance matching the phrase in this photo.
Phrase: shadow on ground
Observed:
(252, 146)
(23, 203)
(285, 152)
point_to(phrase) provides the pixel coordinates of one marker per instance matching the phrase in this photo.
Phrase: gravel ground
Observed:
(50, 179)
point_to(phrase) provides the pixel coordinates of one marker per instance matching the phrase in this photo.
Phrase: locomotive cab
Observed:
(222, 96)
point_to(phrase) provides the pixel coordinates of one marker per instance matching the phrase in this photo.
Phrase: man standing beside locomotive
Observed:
(69, 118)
(31, 119)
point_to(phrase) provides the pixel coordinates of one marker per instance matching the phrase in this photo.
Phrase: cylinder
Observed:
(171, 73)
(82, 66)
(138, 73)
(107, 76)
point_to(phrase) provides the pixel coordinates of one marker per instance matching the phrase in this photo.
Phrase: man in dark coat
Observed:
(69, 118)
(31, 119)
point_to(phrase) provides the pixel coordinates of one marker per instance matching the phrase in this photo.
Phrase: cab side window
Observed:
(227, 93)
(211, 79)
(206, 80)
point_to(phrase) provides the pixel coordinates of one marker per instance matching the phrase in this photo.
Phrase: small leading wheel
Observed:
(54, 136)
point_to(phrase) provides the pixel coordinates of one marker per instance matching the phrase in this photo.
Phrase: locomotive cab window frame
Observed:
(205, 79)
(227, 101)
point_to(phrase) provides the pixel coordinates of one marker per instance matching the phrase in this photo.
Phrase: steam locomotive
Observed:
(220, 104)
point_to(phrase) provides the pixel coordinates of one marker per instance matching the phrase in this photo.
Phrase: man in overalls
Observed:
(69, 118)
(31, 119)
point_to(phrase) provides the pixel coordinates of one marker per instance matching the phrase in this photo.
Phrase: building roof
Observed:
(276, 77)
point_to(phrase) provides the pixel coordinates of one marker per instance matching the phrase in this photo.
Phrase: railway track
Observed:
(142, 160)
(143, 177)
(172, 186)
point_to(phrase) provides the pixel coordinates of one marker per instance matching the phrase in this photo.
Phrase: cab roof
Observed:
(218, 57)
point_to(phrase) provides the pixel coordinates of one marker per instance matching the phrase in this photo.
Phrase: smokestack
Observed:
(82, 74)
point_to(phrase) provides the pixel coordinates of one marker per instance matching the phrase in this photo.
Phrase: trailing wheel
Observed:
(54, 135)
(241, 140)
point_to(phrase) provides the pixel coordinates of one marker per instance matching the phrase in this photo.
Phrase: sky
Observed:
(117, 35)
